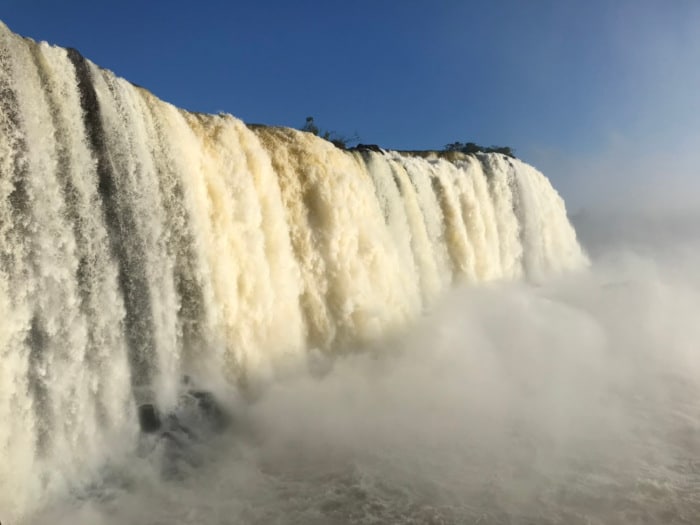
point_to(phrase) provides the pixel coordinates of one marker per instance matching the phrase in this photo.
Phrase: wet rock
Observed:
(149, 419)
(181, 437)
(367, 147)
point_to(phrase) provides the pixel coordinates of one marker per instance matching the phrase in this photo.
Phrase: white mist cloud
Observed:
(571, 401)
(561, 401)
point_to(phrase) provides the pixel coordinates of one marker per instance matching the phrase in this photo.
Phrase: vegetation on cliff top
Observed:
(471, 147)
(344, 142)
(338, 140)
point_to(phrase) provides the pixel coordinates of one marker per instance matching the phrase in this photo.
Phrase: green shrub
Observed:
(339, 141)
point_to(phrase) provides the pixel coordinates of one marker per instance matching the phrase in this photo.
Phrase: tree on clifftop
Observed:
(339, 141)
(309, 126)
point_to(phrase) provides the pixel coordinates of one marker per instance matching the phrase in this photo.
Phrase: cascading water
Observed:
(140, 242)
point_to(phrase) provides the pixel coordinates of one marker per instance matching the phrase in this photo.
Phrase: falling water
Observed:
(140, 242)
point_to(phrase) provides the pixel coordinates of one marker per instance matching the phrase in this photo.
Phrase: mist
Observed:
(572, 400)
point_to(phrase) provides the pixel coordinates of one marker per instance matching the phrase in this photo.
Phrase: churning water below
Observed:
(572, 401)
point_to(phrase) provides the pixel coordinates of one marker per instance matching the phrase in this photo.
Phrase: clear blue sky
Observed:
(595, 93)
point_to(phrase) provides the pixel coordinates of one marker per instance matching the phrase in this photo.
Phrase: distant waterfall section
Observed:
(140, 242)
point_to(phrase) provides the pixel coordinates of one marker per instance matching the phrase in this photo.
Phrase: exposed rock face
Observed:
(149, 419)
(367, 147)
(178, 438)
(198, 411)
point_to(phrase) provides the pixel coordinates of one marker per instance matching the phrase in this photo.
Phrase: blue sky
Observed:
(602, 96)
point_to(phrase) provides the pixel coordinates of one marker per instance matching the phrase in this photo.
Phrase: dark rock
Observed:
(367, 147)
(180, 436)
(210, 409)
(198, 412)
(149, 419)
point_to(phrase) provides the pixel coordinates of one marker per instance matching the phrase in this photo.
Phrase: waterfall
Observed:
(140, 242)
